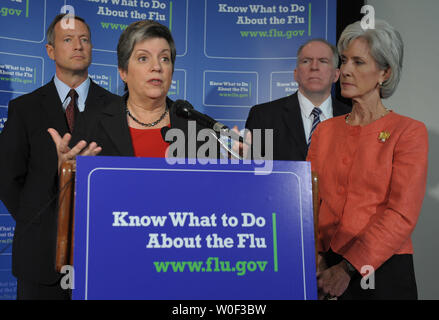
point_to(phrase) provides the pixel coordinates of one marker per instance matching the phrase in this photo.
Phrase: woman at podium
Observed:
(137, 123)
(372, 168)
(146, 56)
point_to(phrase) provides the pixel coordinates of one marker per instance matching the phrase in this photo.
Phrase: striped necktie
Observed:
(316, 112)
(72, 109)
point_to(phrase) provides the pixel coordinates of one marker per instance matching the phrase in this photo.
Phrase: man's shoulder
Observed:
(339, 107)
(100, 91)
(273, 105)
(33, 96)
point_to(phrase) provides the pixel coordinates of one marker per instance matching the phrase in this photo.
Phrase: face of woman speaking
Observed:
(359, 73)
(149, 72)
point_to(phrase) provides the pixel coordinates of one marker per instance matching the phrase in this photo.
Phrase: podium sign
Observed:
(145, 229)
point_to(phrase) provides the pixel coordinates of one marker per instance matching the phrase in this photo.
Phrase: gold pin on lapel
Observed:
(384, 135)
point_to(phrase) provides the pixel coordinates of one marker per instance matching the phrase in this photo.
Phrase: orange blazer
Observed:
(372, 182)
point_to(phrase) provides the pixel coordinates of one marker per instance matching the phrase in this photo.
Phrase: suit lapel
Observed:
(339, 108)
(94, 99)
(52, 106)
(94, 105)
(114, 121)
(294, 124)
(293, 121)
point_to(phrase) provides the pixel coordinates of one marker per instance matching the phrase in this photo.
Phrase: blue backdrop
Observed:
(230, 55)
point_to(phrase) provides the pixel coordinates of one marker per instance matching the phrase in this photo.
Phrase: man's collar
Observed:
(307, 106)
(82, 90)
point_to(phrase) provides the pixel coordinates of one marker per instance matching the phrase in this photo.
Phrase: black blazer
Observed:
(109, 129)
(29, 175)
(284, 117)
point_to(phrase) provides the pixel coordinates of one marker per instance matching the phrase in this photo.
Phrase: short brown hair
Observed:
(50, 34)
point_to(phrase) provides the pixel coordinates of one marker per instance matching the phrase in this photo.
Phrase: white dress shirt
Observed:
(306, 107)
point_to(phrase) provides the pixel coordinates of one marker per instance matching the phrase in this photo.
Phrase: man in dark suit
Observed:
(292, 118)
(30, 159)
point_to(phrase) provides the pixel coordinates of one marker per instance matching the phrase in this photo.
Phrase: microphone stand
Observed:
(234, 154)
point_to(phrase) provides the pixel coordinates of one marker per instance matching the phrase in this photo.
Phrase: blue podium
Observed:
(145, 229)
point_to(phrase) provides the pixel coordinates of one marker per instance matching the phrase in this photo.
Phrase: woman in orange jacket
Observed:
(372, 168)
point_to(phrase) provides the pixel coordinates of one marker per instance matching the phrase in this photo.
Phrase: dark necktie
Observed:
(72, 109)
(316, 113)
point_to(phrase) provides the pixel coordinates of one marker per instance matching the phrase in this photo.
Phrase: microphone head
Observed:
(183, 108)
(163, 131)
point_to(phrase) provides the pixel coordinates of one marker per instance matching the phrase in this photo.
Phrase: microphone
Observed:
(186, 110)
(163, 131)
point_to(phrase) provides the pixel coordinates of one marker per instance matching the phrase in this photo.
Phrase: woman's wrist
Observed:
(349, 268)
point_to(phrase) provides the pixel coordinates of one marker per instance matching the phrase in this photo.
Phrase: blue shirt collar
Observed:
(64, 89)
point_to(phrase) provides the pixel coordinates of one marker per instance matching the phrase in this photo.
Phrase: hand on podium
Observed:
(239, 147)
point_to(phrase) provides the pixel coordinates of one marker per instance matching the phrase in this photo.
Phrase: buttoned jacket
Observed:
(372, 182)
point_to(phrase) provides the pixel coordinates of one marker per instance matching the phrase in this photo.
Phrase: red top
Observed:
(148, 143)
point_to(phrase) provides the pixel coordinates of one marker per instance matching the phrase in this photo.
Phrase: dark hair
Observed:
(139, 31)
(50, 34)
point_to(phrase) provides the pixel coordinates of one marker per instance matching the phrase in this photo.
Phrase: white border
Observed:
(117, 74)
(44, 29)
(6, 215)
(28, 56)
(223, 71)
(254, 58)
(185, 80)
(182, 170)
(186, 38)
(271, 81)
(240, 120)
(6, 107)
